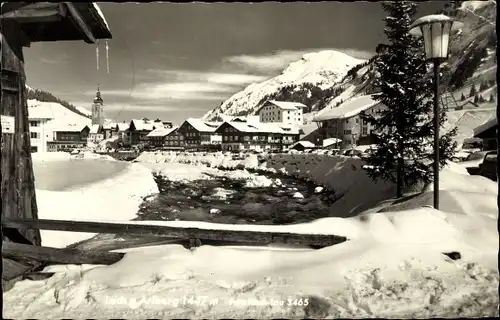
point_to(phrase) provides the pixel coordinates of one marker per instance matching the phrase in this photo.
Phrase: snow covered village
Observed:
(267, 160)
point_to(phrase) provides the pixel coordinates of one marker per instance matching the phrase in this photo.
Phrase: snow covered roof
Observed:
(347, 109)
(100, 14)
(328, 142)
(140, 124)
(203, 126)
(285, 105)
(43, 111)
(109, 125)
(305, 144)
(95, 128)
(264, 127)
(69, 127)
(161, 132)
(486, 126)
(123, 126)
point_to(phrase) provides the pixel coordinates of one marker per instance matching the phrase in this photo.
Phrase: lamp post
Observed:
(435, 30)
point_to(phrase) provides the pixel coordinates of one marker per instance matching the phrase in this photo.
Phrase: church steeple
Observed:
(98, 98)
(98, 108)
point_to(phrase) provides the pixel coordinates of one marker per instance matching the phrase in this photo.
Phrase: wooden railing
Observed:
(23, 260)
(241, 236)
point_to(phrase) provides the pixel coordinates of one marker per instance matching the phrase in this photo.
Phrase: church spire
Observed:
(98, 98)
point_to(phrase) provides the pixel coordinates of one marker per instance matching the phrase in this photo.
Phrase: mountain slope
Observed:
(44, 96)
(471, 63)
(307, 80)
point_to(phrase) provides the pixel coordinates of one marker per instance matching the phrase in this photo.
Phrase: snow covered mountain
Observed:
(315, 72)
(470, 72)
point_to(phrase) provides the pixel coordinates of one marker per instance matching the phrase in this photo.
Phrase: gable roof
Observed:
(69, 21)
(42, 111)
(95, 128)
(347, 109)
(287, 105)
(143, 125)
(263, 127)
(162, 132)
(203, 126)
(485, 127)
(122, 126)
(284, 105)
(69, 127)
(305, 144)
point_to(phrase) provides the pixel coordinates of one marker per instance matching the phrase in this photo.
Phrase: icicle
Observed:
(107, 56)
(97, 54)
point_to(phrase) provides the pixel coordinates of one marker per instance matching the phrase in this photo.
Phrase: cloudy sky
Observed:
(174, 61)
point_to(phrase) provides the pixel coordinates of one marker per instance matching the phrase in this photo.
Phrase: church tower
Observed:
(98, 109)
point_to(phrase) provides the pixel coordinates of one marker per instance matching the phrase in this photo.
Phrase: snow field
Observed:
(115, 197)
(393, 266)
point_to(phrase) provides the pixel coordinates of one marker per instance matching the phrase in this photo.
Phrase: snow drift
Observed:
(111, 194)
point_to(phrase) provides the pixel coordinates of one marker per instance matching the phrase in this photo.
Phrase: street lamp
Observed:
(436, 30)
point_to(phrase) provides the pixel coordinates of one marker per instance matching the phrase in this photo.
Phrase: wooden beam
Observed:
(80, 23)
(50, 255)
(13, 269)
(320, 240)
(35, 13)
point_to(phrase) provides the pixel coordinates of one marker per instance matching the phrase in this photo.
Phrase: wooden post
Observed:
(18, 184)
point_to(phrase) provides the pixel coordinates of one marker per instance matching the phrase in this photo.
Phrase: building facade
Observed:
(40, 133)
(138, 130)
(239, 136)
(163, 137)
(346, 124)
(197, 132)
(69, 138)
(96, 134)
(291, 113)
(487, 132)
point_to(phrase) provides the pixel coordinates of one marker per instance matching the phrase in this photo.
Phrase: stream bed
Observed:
(223, 200)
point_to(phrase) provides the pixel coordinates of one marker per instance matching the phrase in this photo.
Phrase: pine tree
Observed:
(462, 98)
(404, 129)
(473, 90)
(481, 99)
(476, 99)
(492, 98)
(483, 86)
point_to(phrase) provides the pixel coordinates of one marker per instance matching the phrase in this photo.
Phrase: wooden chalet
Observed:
(23, 23)
(240, 135)
(69, 138)
(197, 132)
(159, 137)
(488, 133)
(138, 130)
(109, 130)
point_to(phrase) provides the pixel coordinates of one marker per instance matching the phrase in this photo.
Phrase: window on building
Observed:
(34, 149)
(357, 120)
(34, 123)
(34, 135)
(365, 131)
(346, 132)
(246, 138)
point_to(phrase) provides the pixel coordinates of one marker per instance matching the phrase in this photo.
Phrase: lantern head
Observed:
(435, 30)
